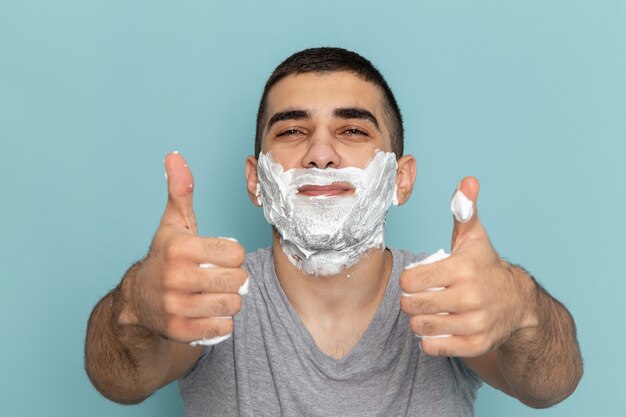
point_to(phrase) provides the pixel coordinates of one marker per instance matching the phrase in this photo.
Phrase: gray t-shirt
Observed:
(272, 366)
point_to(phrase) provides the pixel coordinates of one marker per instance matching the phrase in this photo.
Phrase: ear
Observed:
(252, 179)
(405, 178)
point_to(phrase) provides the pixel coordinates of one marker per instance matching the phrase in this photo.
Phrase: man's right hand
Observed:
(187, 288)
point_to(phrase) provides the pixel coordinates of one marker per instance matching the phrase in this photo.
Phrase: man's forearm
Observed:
(542, 364)
(125, 363)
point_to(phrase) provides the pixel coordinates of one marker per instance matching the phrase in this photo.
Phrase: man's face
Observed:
(325, 120)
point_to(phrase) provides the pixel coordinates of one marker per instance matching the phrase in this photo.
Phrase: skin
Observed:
(335, 310)
(504, 326)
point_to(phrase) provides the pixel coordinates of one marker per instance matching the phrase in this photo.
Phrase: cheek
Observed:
(288, 158)
(353, 156)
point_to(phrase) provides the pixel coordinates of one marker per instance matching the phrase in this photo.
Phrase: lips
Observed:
(336, 188)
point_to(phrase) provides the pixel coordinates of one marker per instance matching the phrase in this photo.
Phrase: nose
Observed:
(321, 152)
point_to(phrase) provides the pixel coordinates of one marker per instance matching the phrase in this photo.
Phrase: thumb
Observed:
(179, 208)
(464, 209)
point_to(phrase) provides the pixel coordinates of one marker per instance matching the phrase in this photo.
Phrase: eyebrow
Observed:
(356, 113)
(341, 113)
(288, 115)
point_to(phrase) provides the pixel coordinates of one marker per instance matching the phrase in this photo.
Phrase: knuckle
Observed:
(174, 249)
(406, 281)
(466, 271)
(242, 276)
(479, 344)
(228, 304)
(478, 322)
(231, 279)
(472, 300)
(170, 303)
(438, 269)
(234, 303)
(239, 254)
(421, 304)
(212, 245)
(405, 305)
(175, 328)
(414, 325)
(224, 327)
(220, 279)
(230, 251)
(430, 348)
(422, 326)
(428, 326)
(170, 277)
(215, 328)
(442, 351)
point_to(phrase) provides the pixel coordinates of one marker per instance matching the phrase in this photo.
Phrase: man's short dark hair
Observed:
(327, 60)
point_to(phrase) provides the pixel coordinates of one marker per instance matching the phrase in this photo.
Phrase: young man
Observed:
(325, 322)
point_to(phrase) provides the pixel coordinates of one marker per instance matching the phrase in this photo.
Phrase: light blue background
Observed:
(530, 97)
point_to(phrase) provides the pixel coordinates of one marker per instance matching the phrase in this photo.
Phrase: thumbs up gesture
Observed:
(188, 287)
(471, 302)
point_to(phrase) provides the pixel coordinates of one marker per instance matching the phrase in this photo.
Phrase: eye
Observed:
(353, 131)
(289, 132)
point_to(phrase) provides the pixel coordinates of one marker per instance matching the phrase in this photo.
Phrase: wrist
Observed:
(122, 301)
(124, 316)
(528, 323)
(530, 318)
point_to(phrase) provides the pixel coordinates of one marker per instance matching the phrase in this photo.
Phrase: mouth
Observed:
(334, 189)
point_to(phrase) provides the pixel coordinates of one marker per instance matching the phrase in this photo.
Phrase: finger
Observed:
(465, 212)
(424, 277)
(453, 299)
(179, 208)
(185, 330)
(222, 252)
(447, 324)
(457, 346)
(201, 305)
(211, 280)
(428, 302)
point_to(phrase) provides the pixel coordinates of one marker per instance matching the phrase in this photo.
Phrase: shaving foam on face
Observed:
(462, 207)
(323, 235)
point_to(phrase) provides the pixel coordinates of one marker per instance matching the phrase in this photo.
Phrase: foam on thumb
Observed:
(462, 207)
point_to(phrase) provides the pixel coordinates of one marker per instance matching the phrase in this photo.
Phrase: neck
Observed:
(355, 291)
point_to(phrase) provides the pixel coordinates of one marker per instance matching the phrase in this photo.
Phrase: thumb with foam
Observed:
(467, 226)
(179, 209)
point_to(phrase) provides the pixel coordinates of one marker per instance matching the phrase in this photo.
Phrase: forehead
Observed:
(323, 92)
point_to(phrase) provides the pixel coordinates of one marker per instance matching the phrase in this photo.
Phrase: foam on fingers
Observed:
(210, 342)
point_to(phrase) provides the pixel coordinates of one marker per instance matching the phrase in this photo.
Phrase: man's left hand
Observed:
(484, 299)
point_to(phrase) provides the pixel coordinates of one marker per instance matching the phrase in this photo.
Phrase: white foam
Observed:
(323, 236)
(243, 290)
(437, 256)
(462, 207)
(210, 342)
